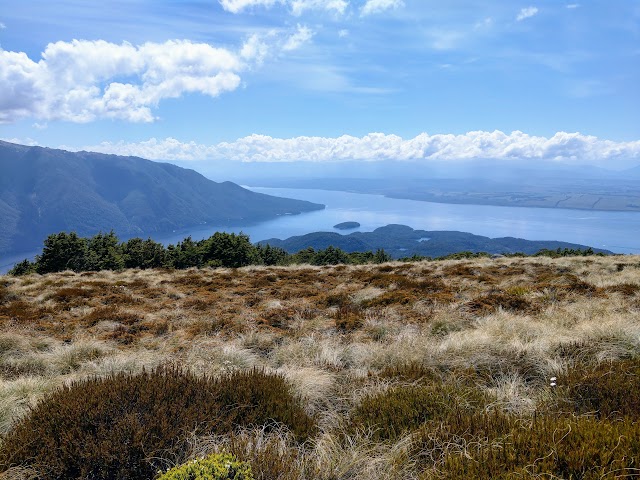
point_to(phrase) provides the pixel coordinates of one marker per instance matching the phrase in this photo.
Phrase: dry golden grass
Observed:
(505, 326)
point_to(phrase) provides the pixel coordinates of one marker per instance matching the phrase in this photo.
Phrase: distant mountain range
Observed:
(402, 241)
(540, 184)
(45, 190)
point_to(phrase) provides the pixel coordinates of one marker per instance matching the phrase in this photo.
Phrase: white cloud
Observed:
(301, 36)
(526, 13)
(377, 6)
(81, 81)
(516, 146)
(236, 6)
(335, 6)
(297, 7)
(255, 48)
(2, 26)
(571, 6)
(343, 33)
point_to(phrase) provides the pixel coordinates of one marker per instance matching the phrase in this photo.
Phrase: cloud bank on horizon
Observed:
(516, 146)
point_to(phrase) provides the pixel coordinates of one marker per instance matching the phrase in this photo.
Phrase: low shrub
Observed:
(491, 302)
(122, 426)
(411, 372)
(607, 390)
(402, 409)
(219, 466)
(348, 318)
(495, 446)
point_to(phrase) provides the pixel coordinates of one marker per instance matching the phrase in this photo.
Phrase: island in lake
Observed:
(402, 241)
(347, 225)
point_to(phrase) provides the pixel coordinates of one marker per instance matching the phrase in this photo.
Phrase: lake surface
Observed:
(615, 231)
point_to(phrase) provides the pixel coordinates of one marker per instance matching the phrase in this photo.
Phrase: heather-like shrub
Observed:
(219, 466)
(121, 427)
(495, 446)
(607, 390)
(399, 410)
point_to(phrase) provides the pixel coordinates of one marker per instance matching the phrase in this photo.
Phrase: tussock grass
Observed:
(485, 336)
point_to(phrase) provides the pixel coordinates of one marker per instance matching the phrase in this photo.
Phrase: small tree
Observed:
(62, 251)
(104, 252)
(229, 250)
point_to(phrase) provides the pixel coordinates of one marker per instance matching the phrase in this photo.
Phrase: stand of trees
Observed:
(104, 251)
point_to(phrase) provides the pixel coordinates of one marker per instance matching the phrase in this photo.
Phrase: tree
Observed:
(229, 250)
(104, 252)
(138, 253)
(62, 251)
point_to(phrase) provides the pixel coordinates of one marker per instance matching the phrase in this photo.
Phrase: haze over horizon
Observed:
(325, 80)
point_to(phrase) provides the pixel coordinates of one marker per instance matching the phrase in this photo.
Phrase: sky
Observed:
(325, 80)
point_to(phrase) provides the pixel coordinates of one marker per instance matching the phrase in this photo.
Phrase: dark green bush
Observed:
(402, 409)
(121, 427)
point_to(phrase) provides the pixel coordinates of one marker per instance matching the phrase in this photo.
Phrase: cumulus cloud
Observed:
(301, 36)
(571, 6)
(297, 7)
(2, 26)
(377, 6)
(526, 13)
(563, 146)
(81, 81)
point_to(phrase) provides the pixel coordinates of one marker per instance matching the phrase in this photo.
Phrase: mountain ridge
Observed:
(44, 190)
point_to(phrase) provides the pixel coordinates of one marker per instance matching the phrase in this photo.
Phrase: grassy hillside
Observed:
(528, 367)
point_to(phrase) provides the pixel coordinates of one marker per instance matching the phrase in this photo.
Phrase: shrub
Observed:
(219, 466)
(348, 318)
(491, 302)
(608, 390)
(119, 427)
(402, 409)
(495, 446)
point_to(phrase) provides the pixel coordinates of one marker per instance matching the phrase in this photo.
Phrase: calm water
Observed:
(615, 231)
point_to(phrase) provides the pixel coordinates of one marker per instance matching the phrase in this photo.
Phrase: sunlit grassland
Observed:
(411, 370)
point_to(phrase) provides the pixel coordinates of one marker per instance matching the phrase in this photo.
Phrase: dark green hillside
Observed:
(402, 241)
(45, 190)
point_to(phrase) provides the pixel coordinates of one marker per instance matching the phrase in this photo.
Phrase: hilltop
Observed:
(402, 367)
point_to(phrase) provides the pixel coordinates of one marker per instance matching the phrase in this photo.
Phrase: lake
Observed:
(615, 231)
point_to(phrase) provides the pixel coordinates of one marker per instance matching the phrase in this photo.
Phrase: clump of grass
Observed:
(273, 455)
(122, 425)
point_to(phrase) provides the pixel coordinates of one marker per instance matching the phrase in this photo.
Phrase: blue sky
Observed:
(325, 80)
